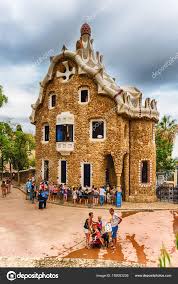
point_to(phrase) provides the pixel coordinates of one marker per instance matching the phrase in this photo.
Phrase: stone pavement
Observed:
(54, 236)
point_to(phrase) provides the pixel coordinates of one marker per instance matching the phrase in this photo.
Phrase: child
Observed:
(100, 226)
(96, 234)
(74, 195)
(65, 193)
(108, 198)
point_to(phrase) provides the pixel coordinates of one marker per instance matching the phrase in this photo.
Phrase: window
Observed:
(46, 170)
(98, 129)
(63, 171)
(64, 133)
(83, 95)
(144, 171)
(86, 175)
(53, 100)
(46, 133)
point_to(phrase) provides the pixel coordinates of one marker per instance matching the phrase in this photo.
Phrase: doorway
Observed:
(86, 173)
(110, 175)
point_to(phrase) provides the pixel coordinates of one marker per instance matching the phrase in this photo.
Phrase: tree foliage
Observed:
(15, 146)
(165, 135)
(3, 98)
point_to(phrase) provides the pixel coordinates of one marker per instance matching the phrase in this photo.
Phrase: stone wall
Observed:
(142, 147)
(118, 131)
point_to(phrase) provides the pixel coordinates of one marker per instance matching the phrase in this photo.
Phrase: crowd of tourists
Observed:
(6, 187)
(78, 195)
(100, 234)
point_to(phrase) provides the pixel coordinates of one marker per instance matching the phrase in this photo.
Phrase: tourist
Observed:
(80, 194)
(30, 188)
(8, 185)
(115, 221)
(27, 188)
(86, 195)
(3, 188)
(65, 192)
(40, 199)
(102, 195)
(108, 197)
(95, 196)
(100, 223)
(61, 193)
(55, 192)
(51, 188)
(90, 196)
(74, 195)
(88, 229)
(44, 195)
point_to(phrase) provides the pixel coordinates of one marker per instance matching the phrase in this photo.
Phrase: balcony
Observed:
(65, 147)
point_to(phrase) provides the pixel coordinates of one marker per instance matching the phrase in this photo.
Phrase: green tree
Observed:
(23, 144)
(165, 136)
(6, 148)
(3, 98)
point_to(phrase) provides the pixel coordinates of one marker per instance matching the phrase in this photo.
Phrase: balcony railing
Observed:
(65, 147)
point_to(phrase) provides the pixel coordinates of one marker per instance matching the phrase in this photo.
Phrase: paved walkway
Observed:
(56, 232)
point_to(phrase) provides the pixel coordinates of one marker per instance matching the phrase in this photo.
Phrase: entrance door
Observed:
(46, 170)
(110, 175)
(87, 175)
(63, 171)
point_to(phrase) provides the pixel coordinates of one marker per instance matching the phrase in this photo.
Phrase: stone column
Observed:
(118, 185)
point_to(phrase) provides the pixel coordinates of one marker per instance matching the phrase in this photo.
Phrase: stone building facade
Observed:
(89, 130)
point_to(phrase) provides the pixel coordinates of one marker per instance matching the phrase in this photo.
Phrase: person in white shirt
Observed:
(115, 221)
(102, 195)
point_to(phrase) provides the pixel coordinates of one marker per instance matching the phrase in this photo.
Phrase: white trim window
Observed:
(86, 174)
(52, 100)
(84, 95)
(62, 171)
(97, 130)
(45, 169)
(45, 133)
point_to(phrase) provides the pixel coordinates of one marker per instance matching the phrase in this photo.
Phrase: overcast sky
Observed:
(136, 37)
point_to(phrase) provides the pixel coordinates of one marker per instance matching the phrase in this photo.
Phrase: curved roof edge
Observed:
(128, 99)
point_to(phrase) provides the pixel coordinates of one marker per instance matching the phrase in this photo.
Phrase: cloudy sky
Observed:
(137, 38)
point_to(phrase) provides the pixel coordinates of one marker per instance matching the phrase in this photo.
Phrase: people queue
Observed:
(78, 195)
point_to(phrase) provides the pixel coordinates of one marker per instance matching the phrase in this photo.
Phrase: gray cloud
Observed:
(136, 38)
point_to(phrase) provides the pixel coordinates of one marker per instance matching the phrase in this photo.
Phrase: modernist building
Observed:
(89, 130)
